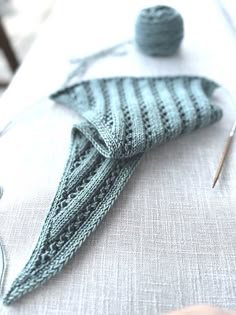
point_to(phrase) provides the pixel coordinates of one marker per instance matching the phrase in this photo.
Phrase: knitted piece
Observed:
(121, 119)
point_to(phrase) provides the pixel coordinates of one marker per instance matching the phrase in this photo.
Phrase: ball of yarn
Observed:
(159, 31)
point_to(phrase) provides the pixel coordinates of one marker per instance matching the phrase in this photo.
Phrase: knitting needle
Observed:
(2, 257)
(23, 114)
(224, 154)
(3, 267)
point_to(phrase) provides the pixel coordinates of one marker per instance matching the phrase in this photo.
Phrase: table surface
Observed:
(170, 240)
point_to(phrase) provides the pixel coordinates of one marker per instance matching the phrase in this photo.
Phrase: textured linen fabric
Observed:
(169, 240)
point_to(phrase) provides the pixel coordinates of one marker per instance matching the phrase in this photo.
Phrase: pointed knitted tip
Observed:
(36, 274)
(15, 293)
(33, 275)
(25, 283)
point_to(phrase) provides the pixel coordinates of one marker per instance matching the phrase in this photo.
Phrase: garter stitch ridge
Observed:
(122, 119)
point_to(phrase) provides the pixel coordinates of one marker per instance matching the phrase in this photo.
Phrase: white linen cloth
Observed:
(170, 240)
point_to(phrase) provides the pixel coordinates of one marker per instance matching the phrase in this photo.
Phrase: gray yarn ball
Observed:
(159, 31)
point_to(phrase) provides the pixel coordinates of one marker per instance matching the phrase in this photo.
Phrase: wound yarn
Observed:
(159, 31)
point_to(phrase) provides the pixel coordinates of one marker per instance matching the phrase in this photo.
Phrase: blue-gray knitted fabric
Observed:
(122, 118)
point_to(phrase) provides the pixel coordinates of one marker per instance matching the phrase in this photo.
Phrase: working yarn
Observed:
(83, 64)
(159, 31)
(122, 118)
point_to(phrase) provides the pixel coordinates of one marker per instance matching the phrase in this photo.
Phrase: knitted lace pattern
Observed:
(121, 119)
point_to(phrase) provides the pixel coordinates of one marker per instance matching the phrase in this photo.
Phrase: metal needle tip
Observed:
(224, 154)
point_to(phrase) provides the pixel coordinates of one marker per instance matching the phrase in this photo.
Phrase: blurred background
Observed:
(21, 21)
